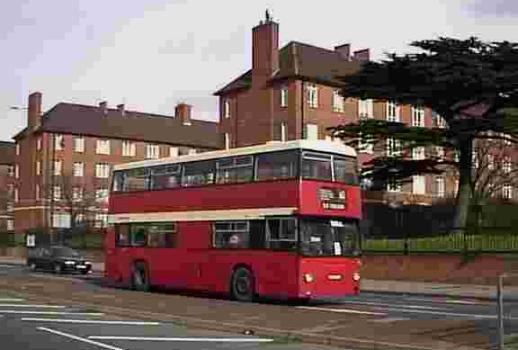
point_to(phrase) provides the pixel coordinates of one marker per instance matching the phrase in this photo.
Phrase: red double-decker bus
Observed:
(278, 220)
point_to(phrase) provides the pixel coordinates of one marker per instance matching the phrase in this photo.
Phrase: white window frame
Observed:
(507, 166)
(364, 147)
(61, 220)
(102, 170)
(418, 153)
(338, 102)
(284, 97)
(59, 142)
(77, 193)
(79, 169)
(438, 121)
(58, 167)
(392, 111)
(507, 191)
(101, 195)
(57, 193)
(16, 171)
(128, 149)
(173, 151)
(365, 109)
(392, 186)
(439, 152)
(418, 184)
(152, 151)
(10, 224)
(38, 143)
(418, 116)
(226, 108)
(37, 192)
(393, 147)
(102, 146)
(311, 132)
(440, 187)
(101, 220)
(38, 167)
(312, 96)
(284, 132)
(79, 144)
(227, 140)
(16, 195)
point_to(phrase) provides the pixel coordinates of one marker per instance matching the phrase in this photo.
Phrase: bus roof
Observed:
(310, 145)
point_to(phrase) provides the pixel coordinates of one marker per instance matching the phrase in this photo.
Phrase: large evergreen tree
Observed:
(471, 84)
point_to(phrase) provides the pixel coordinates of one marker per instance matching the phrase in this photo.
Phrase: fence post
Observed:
(500, 309)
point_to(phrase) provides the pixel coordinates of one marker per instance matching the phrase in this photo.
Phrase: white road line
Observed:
(385, 304)
(64, 320)
(449, 314)
(347, 311)
(50, 313)
(75, 337)
(8, 266)
(450, 301)
(34, 306)
(208, 340)
(11, 300)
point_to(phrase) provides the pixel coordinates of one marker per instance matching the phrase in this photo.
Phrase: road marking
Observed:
(75, 337)
(450, 301)
(348, 311)
(34, 305)
(208, 340)
(11, 300)
(385, 304)
(8, 266)
(50, 313)
(64, 320)
(449, 314)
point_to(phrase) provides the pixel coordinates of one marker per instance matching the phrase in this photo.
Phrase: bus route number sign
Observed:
(332, 198)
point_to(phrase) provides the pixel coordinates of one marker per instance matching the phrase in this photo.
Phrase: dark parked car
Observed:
(58, 259)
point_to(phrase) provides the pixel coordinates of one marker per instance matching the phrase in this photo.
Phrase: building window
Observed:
(102, 170)
(393, 186)
(57, 192)
(365, 108)
(507, 192)
(284, 132)
(393, 147)
(79, 144)
(474, 159)
(38, 167)
(101, 220)
(101, 195)
(173, 152)
(152, 151)
(59, 142)
(17, 149)
(338, 101)
(313, 96)
(10, 170)
(418, 184)
(37, 192)
(79, 168)
(16, 195)
(192, 151)
(226, 108)
(77, 193)
(311, 132)
(102, 147)
(284, 97)
(439, 152)
(128, 149)
(507, 167)
(418, 116)
(438, 121)
(364, 146)
(10, 224)
(61, 220)
(227, 140)
(16, 171)
(418, 153)
(440, 188)
(38, 143)
(392, 111)
(58, 165)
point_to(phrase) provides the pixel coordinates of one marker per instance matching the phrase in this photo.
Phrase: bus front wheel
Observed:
(140, 277)
(242, 285)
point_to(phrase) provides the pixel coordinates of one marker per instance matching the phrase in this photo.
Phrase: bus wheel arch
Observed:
(140, 278)
(243, 283)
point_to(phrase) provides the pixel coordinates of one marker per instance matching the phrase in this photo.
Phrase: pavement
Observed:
(372, 320)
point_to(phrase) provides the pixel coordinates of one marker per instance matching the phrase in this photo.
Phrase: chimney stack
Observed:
(183, 111)
(121, 109)
(344, 51)
(103, 106)
(265, 50)
(34, 111)
(361, 55)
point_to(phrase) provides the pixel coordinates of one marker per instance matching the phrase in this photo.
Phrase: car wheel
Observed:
(242, 285)
(140, 277)
(58, 269)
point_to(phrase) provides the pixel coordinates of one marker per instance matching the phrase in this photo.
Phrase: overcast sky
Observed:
(151, 54)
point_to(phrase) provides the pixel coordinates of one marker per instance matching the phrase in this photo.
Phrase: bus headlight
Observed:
(356, 276)
(308, 277)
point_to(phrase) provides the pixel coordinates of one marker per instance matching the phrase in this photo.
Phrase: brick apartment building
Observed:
(7, 151)
(293, 92)
(64, 157)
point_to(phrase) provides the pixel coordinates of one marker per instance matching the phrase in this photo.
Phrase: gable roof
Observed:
(7, 152)
(302, 61)
(69, 118)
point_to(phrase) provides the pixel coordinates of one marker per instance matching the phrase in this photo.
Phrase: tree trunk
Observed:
(464, 191)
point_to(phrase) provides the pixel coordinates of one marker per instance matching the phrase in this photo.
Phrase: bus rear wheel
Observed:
(140, 277)
(242, 286)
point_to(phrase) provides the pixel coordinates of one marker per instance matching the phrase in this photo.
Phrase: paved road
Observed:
(385, 306)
